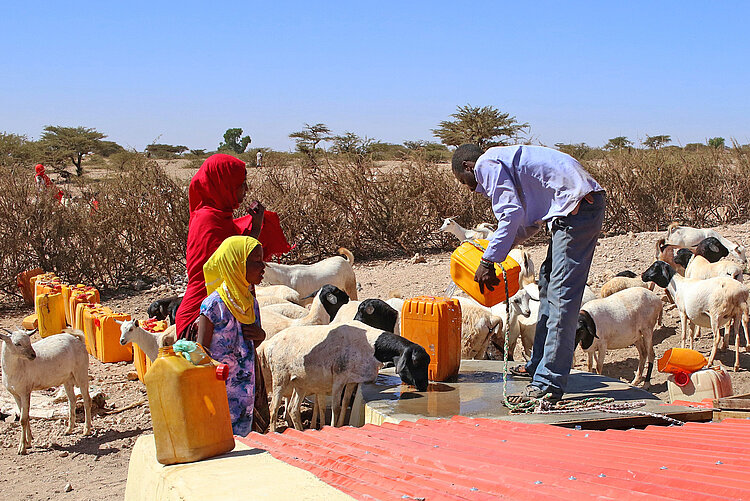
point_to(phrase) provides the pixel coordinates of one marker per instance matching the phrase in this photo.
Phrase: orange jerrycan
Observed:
(89, 313)
(108, 347)
(50, 313)
(23, 281)
(140, 360)
(435, 324)
(47, 284)
(677, 360)
(464, 264)
(81, 294)
(189, 408)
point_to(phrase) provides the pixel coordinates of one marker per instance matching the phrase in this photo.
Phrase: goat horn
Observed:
(6, 330)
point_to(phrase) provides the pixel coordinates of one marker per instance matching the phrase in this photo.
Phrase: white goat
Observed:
(148, 342)
(685, 236)
(528, 273)
(326, 304)
(524, 311)
(325, 359)
(480, 231)
(55, 360)
(308, 278)
(711, 303)
(621, 320)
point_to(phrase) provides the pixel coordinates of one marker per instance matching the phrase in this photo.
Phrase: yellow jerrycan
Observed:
(50, 312)
(464, 264)
(189, 407)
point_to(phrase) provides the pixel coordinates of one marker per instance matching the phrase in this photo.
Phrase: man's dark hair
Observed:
(470, 152)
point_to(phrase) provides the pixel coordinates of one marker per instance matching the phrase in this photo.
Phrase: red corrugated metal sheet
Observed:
(483, 459)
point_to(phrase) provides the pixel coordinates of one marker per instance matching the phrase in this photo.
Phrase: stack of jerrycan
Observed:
(89, 313)
(49, 306)
(80, 294)
(23, 281)
(464, 264)
(688, 382)
(140, 360)
(107, 338)
(435, 324)
(189, 406)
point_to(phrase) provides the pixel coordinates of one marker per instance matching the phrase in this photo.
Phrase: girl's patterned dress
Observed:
(229, 347)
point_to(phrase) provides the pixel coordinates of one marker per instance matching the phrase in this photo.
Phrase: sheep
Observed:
(685, 236)
(308, 278)
(621, 282)
(286, 309)
(148, 342)
(478, 325)
(325, 359)
(621, 320)
(711, 303)
(274, 294)
(373, 312)
(528, 273)
(524, 311)
(163, 308)
(480, 231)
(52, 361)
(326, 304)
(697, 266)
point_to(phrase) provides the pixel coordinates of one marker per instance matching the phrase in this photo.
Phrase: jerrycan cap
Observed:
(681, 378)
(222, 372)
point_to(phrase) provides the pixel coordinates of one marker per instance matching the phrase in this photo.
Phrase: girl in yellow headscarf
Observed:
(229, 322)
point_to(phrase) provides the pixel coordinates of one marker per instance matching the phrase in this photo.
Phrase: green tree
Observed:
(306, 140)
(656, 142)
(164, 150)
(485, 127)
(577, 151)
(72, 143)
(716, 142)
(108, 148)
(234, 142)
(618, 143)
(16, 150)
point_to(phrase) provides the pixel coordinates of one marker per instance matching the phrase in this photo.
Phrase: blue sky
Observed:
(184, 72)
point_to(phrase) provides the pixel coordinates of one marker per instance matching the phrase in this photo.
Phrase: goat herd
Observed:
(321, 340)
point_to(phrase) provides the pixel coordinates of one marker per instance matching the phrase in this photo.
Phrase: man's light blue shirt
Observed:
(528, 186)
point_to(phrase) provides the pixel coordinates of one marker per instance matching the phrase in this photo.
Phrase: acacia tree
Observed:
(716, 142)
(72, 143)
(618, 143)
(656, 142)
(485, 127)
(234, 142)
(306, 140)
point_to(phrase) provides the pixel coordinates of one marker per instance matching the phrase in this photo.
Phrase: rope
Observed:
(566, 406)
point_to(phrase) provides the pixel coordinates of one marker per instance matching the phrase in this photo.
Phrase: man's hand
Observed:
(485, 277)
(253, 332)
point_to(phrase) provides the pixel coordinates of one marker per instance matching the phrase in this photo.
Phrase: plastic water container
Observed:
(677, 360)
(435, 324)
(81, 294)
(50, 312)
(712, 383)
(23, 281)
(30, 322)
(88, 314)
(189, 408)
(464, 264)
(141, 362)
(107, 334)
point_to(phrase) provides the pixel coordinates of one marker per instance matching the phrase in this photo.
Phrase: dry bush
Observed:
(648, 189)
(139, 229)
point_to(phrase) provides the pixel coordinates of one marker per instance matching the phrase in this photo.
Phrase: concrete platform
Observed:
(244, 473)
(478, 392)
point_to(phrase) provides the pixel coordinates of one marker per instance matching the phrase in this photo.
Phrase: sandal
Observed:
(532, 392)
(520, 371)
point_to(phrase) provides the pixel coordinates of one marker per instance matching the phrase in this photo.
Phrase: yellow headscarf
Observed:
(225, 272)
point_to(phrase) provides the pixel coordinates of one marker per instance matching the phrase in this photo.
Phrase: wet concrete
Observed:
(478, 392)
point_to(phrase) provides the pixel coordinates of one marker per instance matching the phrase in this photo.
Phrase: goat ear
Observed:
(332, 298)
(136, 322)
(119, 322)
(370, 309)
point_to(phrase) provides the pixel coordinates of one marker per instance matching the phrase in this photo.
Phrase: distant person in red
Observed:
(216, 190)
(43, 181)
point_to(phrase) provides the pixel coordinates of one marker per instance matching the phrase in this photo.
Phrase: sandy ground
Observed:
(96, 467)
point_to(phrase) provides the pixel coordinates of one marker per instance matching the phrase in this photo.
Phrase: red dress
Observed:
(213, 198)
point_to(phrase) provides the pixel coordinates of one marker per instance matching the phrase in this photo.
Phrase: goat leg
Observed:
(70, 392)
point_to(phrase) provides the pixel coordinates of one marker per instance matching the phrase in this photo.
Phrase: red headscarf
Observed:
(213, 198)
(39, 168)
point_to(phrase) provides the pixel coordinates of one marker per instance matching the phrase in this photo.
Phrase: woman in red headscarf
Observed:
(43, 181)
(216, 190)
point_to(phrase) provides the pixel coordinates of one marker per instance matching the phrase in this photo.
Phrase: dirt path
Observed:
(96, 467)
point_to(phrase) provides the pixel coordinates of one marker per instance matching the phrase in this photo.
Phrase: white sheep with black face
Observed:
(56, 360)
(685, 236)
